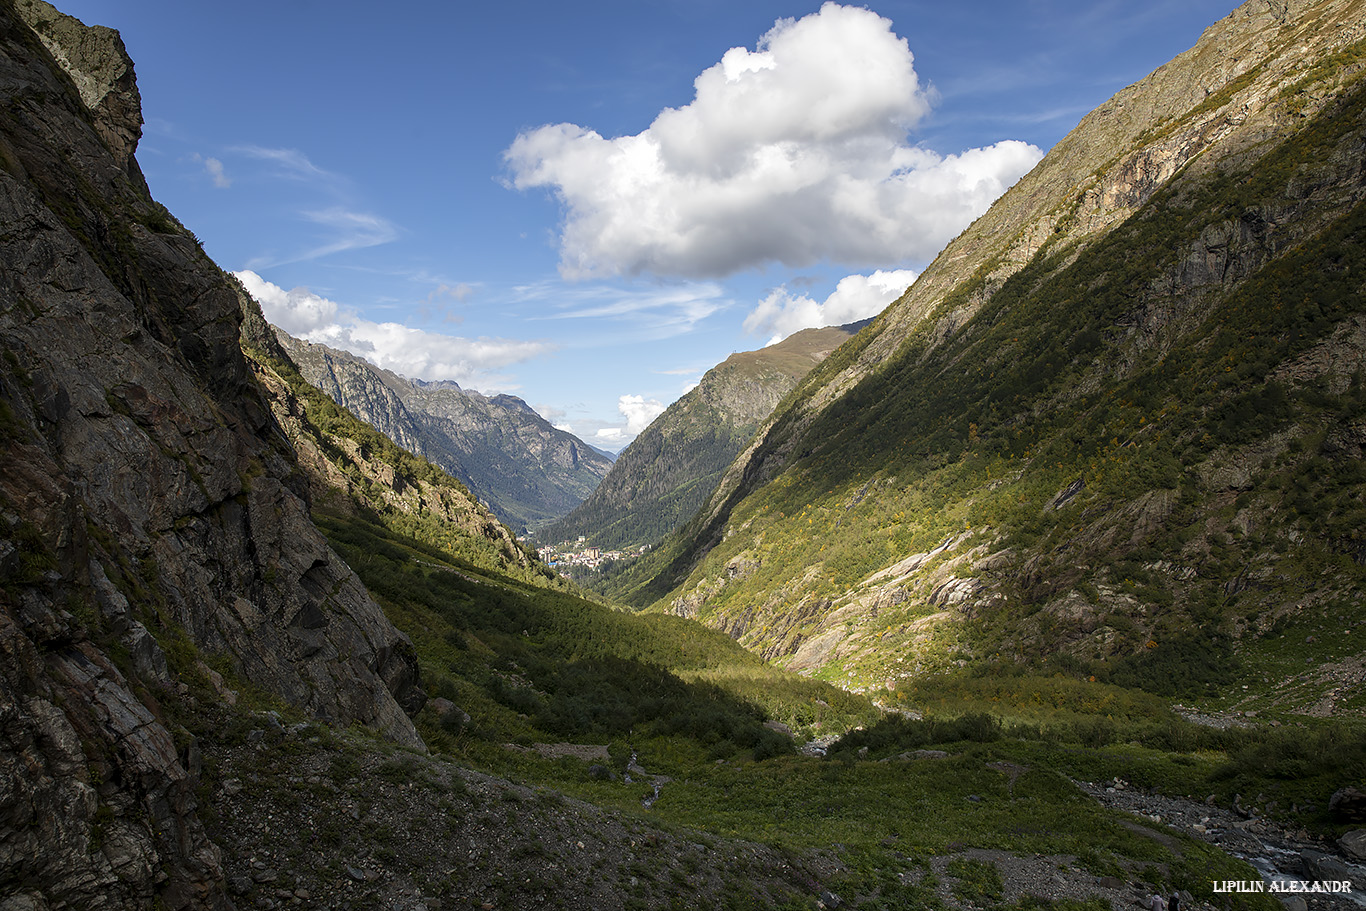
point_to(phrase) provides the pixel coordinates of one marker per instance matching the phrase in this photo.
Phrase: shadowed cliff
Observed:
(154, 527)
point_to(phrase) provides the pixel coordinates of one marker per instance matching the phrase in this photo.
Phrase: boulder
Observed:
(1353, 844)
(1327, 868)
(1348, 804)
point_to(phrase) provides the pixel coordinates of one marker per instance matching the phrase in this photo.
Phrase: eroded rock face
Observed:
(97, 62)
(150, 510)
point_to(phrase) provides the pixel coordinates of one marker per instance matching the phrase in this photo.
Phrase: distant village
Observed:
(578, 555)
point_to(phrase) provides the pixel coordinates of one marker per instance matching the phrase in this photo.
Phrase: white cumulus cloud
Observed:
(393, 346)
(639, 411)
(297, 311)
(856, 297)
(795, 152)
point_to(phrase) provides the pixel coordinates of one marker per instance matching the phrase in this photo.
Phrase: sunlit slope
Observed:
(510, 457)
(667, 472)
(1119, 420)
(497, 634)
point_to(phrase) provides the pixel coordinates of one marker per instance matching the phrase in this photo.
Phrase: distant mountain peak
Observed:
(661, 478)
(436, 384)
(504, 400)
(530, 472)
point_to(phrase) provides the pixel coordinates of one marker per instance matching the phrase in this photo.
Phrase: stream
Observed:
(1279, 855)
(658, 781)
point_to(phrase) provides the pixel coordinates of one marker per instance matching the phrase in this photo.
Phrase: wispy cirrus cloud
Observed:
(290, 163)
(459, 292)
(444, 302)
(651, 312)
(352, 230)
(320, 200)
(343, 230)
(346, 231)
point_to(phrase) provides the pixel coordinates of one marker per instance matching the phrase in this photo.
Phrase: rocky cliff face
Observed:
(154, 529)
(529, 472)
(1112, 419)
(666, 473)
(352, 468)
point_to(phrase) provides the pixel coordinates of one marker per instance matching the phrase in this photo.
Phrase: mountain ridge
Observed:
(528, 471)
(1081, 301)
(667, 472)
(1042, 204)
(154, 533)
(355, 470)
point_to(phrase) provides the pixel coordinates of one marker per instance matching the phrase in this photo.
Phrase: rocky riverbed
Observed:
(1279, 853)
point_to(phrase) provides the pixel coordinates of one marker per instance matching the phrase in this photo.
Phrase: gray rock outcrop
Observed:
(151, 515)
(1348, 804)
(1353, 844)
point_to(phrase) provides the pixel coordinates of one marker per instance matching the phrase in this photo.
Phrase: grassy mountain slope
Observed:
(668, 471)
(187, 658)
(354, 470)
(639, 746)
(638, 751)
(1117, 422)
(1251, 78)
(475, 602)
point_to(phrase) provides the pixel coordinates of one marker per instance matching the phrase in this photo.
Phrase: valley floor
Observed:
(311, 817)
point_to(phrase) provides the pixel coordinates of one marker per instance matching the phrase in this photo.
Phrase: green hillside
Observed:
(1136, 457)
(659, 720)
(476, 604)
(667, 472)
(675, 727)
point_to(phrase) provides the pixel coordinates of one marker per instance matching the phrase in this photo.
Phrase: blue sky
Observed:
(590, 204)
